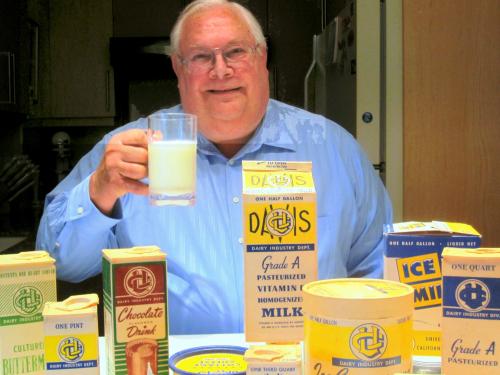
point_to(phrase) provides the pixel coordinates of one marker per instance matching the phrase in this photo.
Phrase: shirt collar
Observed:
(271, 132)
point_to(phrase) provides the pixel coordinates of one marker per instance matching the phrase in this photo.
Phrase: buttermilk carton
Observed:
(279, 224)
(135, 311)
(413, 256)
(72, 336)
(27, 281)
(471, 311)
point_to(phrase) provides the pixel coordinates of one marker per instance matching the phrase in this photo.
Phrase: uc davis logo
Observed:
(70, 349)
(139, 281)
(28, 300)
(472, 295)
(279, 180)
(368, 341)
(280, 222)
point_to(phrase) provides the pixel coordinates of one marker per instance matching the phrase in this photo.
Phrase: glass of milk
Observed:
(172, 158)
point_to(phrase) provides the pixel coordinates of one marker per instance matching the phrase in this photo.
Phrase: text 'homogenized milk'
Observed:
(279, 225)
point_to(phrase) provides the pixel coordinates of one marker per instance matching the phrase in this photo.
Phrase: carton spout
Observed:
(79, 302)
(143, 249)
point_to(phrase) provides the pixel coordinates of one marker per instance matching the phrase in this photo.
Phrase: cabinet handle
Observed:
(11, 78)
(108, 90)
(35, 60)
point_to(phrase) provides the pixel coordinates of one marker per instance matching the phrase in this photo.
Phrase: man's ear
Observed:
(176, 64)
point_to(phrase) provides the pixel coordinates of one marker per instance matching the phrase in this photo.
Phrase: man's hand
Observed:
(124, 163)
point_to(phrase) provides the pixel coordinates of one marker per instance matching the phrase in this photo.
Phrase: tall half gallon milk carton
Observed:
(27, 281)
(135, 310)
(279, 225)
(471, 311)
(413, 256)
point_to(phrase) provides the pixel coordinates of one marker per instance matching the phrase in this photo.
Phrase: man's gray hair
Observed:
(198, 5)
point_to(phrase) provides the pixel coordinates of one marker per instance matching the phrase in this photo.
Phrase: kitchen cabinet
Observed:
(78, 78)
(16, 47)
(147, 18)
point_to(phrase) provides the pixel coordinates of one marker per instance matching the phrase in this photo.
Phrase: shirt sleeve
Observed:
(373, 210)
(72, 229)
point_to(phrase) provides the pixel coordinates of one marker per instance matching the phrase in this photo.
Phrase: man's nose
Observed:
(220, 67)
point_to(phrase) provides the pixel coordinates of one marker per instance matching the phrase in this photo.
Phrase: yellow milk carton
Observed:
(413, 256)
(471, 311)
(135, 310)
(274, 359)
(279, 224)
(72, 336)
(27, 281)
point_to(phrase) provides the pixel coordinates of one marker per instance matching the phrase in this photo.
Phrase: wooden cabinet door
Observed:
(80, 79)
(451, 113)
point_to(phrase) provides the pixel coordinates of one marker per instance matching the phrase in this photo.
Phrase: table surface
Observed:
(429, 365)
(180, 342)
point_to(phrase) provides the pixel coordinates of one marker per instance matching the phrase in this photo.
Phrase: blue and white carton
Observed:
(412, 256)
(471, 311)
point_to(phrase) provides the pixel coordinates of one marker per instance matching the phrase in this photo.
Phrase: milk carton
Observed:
(279, 224)
(413, 256)
(274, 359)
(72, 336)
(135, 310)
(27, 281)
(471, 311)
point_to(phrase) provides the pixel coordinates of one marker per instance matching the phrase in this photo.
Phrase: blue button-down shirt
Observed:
(204, 242)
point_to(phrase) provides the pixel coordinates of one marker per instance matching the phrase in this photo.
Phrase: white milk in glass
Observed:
(172, 167)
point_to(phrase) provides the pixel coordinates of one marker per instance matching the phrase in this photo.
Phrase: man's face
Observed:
(230, 101)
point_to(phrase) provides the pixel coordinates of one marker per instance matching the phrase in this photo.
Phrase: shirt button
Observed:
(236, 199)
(231, 162)
(240, 240)
(79, 210)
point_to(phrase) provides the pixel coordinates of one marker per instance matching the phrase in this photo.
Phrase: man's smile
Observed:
(224, 91)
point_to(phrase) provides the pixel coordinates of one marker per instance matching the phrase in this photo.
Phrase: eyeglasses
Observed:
(202, 60)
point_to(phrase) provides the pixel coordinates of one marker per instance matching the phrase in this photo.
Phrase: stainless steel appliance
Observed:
(344, 80)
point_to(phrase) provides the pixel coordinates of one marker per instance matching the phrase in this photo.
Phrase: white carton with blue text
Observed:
(413, 256)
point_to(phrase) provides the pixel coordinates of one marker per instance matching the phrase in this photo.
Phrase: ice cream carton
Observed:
(413, 256)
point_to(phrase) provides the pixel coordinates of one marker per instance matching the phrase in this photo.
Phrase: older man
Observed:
(220, 61)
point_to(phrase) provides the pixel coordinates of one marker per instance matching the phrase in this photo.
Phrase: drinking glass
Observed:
(172, 158)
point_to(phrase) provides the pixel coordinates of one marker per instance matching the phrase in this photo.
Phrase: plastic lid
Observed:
(209, 360)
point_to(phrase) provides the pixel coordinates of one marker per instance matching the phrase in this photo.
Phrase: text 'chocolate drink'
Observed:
(135, 310)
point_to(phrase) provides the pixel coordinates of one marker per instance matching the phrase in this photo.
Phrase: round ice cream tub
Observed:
(214, 359)
(357, 326)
